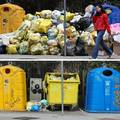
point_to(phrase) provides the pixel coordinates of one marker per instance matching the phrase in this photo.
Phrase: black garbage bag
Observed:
(75, 50)
(3, 49)
(70, 49)
(83, 23)
(80, 48)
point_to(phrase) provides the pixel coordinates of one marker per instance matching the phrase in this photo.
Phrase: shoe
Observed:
(93, 58)
(113, 54)
(90, 57)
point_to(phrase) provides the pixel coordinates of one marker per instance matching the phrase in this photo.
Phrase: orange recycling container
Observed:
(11, 16)
(12, 88)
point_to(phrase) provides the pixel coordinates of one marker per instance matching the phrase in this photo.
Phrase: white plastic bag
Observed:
(56, 14)
(76, 18)
(106, 36)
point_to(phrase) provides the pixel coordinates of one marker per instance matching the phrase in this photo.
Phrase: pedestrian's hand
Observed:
(111, 36)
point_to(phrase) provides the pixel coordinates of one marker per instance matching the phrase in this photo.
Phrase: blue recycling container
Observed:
(103, 90)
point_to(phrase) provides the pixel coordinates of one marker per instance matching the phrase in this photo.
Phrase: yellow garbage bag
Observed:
(87, 38)
(29, 106)
(11, 49)
(35, 24)
(29, 17)
(45, 25)
(94, 34)
(60, 39)
(45, 14)
(70, 30)
(69, 16)
(72, 33)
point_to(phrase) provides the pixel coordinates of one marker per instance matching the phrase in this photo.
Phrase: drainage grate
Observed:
(25, 118)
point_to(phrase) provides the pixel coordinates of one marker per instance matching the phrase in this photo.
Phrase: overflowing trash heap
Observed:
(43, 33)
(114, 20)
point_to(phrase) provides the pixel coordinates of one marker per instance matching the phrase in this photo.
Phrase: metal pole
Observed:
(65, 28)
(62, 87)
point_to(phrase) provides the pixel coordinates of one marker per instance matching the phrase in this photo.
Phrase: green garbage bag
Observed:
(54, 50)
(44, 102)
(45, 50)
(23, 47)
(33, 38)
(44, 39)
(36, 49)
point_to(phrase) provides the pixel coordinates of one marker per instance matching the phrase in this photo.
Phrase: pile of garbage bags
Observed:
(43, 34)
(37, 106)
(114, 20)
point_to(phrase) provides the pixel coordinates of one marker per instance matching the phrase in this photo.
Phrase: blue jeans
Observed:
(99, 41)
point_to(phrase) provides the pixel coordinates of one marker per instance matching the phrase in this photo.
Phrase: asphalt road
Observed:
(57, 116)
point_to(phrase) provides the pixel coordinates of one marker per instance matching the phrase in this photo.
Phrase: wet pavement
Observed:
(77, 115)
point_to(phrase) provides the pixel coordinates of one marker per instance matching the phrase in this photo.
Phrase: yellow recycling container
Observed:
(52, 88)
(12, 88)
(11, 16)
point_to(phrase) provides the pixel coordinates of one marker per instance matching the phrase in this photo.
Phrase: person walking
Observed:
(101, 24)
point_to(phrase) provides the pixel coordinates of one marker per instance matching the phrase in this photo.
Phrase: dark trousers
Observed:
(99, 41)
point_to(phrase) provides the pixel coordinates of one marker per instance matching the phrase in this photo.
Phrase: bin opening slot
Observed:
(7, 70)
(107, 72)
(6, 9)
(66, 77)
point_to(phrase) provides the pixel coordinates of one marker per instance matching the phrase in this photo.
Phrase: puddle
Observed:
(109, 119)
(25, 118)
